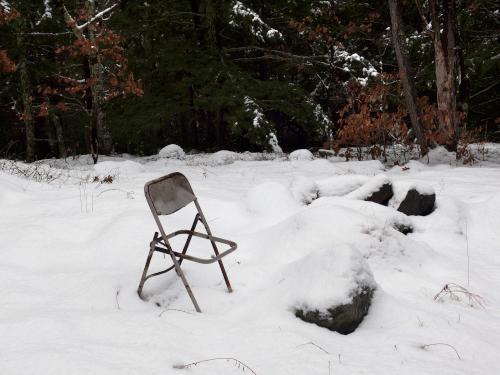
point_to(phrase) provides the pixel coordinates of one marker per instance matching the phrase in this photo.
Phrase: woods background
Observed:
(132, 76)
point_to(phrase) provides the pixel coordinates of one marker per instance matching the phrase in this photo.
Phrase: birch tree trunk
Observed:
(406, 74)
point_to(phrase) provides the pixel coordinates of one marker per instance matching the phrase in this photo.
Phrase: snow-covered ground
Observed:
(72, 252)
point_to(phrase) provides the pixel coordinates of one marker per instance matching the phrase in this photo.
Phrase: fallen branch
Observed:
(442, 343)
(313, 344)
(237, 362)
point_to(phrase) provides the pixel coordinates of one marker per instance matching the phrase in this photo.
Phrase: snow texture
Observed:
(304, 190)
(172, 151)
(223, 157)
(302, 155)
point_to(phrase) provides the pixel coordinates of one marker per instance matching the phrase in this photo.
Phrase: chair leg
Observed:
(184, 281)
(214, 246)
(148, 261)
(177, 267)
(190, 236)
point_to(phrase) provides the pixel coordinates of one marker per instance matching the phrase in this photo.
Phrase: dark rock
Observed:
(382, 195)
(403, 228)
(416, 203)
(343, 319)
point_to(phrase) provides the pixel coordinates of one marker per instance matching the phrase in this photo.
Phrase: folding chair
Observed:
(166, 195)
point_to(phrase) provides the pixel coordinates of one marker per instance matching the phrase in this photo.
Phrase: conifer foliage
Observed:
(104, 76)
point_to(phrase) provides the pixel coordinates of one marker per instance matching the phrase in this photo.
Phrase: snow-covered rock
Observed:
(302, 155)
(172, 151)
(332, 288)
(304, 190)
(222, 157)
(378, 190)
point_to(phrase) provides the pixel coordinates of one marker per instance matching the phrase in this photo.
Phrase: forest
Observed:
(102, 77)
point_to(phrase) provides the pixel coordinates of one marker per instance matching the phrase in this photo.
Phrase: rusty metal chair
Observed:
(166, 195)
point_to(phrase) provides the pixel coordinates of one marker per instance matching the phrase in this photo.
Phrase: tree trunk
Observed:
(406, 74)
(61, 147)
(445, 62)
(26, 99)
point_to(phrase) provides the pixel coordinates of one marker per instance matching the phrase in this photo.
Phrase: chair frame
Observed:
(161, 244)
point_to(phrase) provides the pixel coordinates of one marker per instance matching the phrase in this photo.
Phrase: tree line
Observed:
(106, 76)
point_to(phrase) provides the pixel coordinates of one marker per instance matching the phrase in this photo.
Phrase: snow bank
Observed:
(270, 198)
(223, 157)
(127, 167)
(340, 185)
(172, 151)
(326, 278)
(304, 190)
(302, 155)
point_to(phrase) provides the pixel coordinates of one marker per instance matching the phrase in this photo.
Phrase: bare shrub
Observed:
(457, 292)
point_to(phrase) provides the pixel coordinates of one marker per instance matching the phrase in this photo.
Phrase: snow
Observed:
(172, 151)
(273, 142)
(270, 198)
(116, 168)
(70, 274)
(258, 27)
(371, 186)
(340, 185)
(222, 157)
(304, 190)
(301, 155)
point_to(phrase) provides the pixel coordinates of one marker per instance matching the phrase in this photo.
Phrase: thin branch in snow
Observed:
(187, 312)
(237, 362)
(441, 343)
(313, 344)
(116, 298)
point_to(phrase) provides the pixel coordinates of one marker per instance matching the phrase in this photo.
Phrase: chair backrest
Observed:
(169, 193)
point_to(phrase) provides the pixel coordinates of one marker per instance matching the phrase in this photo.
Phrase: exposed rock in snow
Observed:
(337, 291)
(304, 190)
(378, 190)
(301, 155)
(172, 151)
(419, 201)
(222, 157)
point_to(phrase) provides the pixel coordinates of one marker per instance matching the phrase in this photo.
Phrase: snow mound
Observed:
(304, 190)
(172, 151)
(270, 198)
(340, 185)
(301, 155)
(222, 157)
(326, 278)
(127, 167)
(373, 185)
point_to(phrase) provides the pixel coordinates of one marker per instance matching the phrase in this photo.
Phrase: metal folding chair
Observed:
(166, 195)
